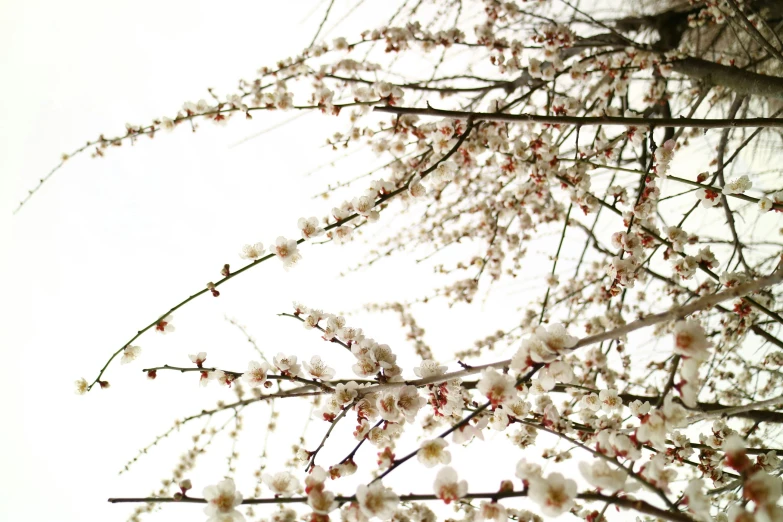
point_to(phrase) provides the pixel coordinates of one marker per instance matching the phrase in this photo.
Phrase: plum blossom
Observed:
(312, 319)
(429, 368)
(409, 402)
(310, 227)
(198, 358)
(590, 402)
(708, 197)
(653, 430)
(610, 400)
(499, 420)
(222, 500)
(555, 494)
(497, 387)
(164, 325)
(253, 251)
(640, 408)
(81, 387)
(256, 374)
(698, 503)
(344, 469)
(528, 471)
(287, 364)
(762, 488)
(364, 206)
(316, 478)
(444, 172)
(130, 353)
(282, 484)
(556, 338)
(690, 340)
(447, 485)
(658, 473)
(376, 500)
(318, 369)
(322, 502)
(352, 512)
(288, 251)
(220, 376)
(340, 234)
(432, 452)
(738, 186)
(663, 157)
(387, 406)
(600, 475)
(416, 188)
(466, 432)
(690, 385)
(557, 371)
(492, 511)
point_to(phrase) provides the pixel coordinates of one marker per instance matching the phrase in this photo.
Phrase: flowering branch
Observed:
(324, 386)
(621, 501)
(695, 123)
(383, 198)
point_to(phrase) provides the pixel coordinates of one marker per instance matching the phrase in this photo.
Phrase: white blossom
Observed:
(287, 364)
(429, 368)
(256, 373)
(698, 502)
(556, 338)
(554, 494)
(130, 353)
(432, 452)
(738, 186)
(318, 369)
(447, 485)
(492, 511)
(253, 251)
(600, 475)
(497, 387)
(763, 488)
(376, 500)
(282, 484)
(690, 340)
(81, 387)
(222, 500)
(310, 227)
(164, 325)
(288, 251)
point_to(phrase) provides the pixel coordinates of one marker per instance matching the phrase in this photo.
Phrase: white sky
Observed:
(107, 245)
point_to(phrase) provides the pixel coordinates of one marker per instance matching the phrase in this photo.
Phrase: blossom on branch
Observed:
(222, 500)
(288, 251)
(376, 500)
(497, 387)
(554, 494)
(164, 325)
(253, 251)
(433, 452)
(310, 227)
(282, 484)
(130, 353)
(318, 369)
(448, 487)
(256, 374)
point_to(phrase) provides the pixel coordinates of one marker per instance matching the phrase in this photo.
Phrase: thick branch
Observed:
(738, 80)
(695, 123)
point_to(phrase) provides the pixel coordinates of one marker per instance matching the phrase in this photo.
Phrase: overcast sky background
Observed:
(109, 244)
